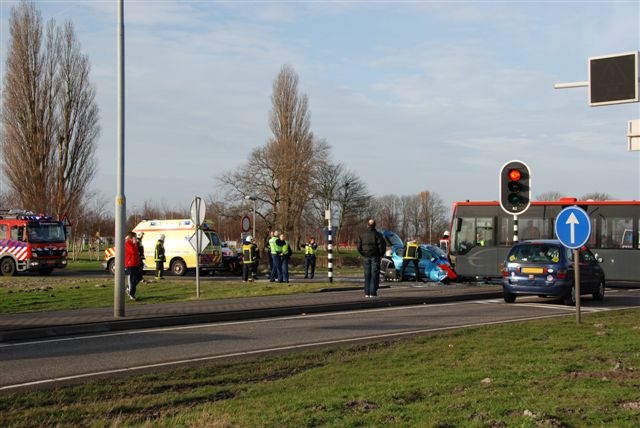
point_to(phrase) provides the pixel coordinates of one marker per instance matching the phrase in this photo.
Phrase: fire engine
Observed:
(31, 242)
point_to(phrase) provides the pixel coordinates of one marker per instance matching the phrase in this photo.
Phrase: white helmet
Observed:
(161, 238)
(446, 233)
(139, 235)
(249, 238)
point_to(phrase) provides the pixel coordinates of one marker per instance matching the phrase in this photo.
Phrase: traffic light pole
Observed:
(515, 228)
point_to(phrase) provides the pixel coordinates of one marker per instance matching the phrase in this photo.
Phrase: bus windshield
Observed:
(45, 232)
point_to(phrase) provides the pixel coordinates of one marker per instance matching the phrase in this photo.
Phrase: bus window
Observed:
(533, 228)
(465, 234)
(484, 231)
(612, 232)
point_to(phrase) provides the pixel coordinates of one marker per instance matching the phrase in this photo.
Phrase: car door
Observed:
(588, 278)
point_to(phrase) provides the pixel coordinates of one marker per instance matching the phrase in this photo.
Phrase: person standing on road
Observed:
(276, 252)
(256, 261)
(310, 257)
(132, 264)
(249, 256)
(371, 246)
(285, 254)
(412, 254)
(159, 257)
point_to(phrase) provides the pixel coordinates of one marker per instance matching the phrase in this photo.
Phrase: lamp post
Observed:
(254, 199)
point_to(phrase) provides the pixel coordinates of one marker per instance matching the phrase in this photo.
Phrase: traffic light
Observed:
(515, 187)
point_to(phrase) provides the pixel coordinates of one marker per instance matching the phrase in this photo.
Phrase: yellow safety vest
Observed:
(308, 250)
(248, 253)
(411, 251)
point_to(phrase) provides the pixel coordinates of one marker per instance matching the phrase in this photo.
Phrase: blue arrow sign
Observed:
(573, 227)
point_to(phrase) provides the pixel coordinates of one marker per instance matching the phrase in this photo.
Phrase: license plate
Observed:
(532, 270)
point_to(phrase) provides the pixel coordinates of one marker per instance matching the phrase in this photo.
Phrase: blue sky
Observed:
(411, 96)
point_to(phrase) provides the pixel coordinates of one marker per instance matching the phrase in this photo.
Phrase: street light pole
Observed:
(253, 198)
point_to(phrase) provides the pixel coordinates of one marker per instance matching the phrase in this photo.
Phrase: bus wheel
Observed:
(509, 297)
(46, 271)
(7, 267)
(178, 268)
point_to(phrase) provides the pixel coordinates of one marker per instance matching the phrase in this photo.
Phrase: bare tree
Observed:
(434, 215)
(549, 196)
(596, 196)
(279, 174)
(49, 115)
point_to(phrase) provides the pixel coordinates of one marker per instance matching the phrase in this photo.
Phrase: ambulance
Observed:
(180, 254)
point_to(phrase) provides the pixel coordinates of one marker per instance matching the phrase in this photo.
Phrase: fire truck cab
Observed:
(31, 242)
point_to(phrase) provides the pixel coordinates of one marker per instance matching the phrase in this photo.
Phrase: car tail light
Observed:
(504, 270)
(562, 274)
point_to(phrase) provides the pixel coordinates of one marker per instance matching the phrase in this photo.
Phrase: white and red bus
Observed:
(31, 242)
(482, 233)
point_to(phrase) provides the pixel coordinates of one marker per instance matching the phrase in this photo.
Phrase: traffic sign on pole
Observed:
(573, 227)
(245, 224)
(198, 211)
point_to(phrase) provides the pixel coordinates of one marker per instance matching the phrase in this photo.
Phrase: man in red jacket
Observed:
(132, 264)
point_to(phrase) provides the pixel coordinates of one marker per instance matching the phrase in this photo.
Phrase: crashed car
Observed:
(434, 264)
(231, 261)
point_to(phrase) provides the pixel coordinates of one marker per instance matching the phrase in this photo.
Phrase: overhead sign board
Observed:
(573, 227)
(613, 79)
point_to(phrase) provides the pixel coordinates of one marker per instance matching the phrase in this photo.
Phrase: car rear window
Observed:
(535, 253)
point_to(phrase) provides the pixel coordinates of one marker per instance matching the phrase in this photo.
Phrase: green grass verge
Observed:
(549, 373)
(37, 294)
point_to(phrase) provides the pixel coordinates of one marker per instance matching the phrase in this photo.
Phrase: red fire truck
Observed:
(31, 242)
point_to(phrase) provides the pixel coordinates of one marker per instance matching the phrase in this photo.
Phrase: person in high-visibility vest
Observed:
(159, 257)
(310, 257)
(276, 251)
(285, 252)
(412, 254)
(249, 258)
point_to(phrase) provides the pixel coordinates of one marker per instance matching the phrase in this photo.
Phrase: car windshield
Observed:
(535, 253)
(45, 232)
(213, 238)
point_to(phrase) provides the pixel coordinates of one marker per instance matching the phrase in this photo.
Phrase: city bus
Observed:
(482, 233)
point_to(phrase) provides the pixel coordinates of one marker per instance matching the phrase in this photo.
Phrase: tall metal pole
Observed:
(576, 269)
(120, 211)
(515, 228)
(254, 218)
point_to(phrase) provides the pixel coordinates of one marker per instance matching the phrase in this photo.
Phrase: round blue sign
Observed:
(573, 227)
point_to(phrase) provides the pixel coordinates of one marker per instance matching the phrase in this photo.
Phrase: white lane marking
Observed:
(266, 350)
(229, 323)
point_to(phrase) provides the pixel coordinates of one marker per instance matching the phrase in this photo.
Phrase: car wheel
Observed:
(111, 266)
(178, 268)
(570, 299)
(599, 294)
(508, 297)
(7, 267)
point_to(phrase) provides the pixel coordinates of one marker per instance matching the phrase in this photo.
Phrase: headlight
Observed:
(64, 254)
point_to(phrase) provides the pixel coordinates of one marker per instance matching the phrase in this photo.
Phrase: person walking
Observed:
(412, 254)
(285, 255)
(139, 237)
(276, 252)
(310, 258)
(371, 246)
(249, 258)
(159, 257)
(132, 264)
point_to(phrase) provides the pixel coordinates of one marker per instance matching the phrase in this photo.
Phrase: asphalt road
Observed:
(44, 363)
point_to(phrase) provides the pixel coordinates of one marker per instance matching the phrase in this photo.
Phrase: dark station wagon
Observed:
(545, 268)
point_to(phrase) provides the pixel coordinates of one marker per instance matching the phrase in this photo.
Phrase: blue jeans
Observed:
(276, 269)
(309, 265)
(371, 275)
(284, 269)
(134, 275)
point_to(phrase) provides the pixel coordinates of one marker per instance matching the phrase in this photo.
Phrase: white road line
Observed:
(265, 350)
(222, 324)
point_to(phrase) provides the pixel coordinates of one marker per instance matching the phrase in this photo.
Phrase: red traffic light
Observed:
(515, 174)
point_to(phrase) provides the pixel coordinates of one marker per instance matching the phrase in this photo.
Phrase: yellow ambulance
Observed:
(180, 254)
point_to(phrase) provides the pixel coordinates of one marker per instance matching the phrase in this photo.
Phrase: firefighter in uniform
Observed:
(310, 258)
(159, 257)
(412, 254)
(249, 256)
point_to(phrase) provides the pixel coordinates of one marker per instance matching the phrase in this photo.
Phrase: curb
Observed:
(226, 316)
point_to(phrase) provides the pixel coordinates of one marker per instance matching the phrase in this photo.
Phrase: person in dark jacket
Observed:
(159, 257)
(249, 258)
(412, 254)
(372, 246)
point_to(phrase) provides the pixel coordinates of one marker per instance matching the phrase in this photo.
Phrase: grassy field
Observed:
(549, 373)
(32, 293)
